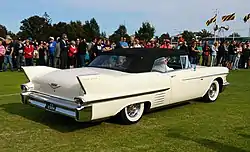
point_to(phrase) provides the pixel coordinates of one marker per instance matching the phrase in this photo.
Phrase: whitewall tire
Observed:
(132, 113)
(213, 92)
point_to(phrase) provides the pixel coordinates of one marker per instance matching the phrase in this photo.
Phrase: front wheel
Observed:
(213, 92)
(132, 113)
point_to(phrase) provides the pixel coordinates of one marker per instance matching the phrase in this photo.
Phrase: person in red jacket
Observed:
(72, 54)
(28, 53)
(166, 44)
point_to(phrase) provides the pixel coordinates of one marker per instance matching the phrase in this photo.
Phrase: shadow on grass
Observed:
(213, 145)
(171, 106)
(62, 123)
(55, 121)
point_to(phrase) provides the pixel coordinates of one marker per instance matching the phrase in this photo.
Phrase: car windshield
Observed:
(115, 62)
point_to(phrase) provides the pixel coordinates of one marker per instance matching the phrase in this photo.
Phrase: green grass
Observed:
(221, 126)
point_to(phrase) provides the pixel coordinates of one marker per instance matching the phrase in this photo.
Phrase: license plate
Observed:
(50, 106)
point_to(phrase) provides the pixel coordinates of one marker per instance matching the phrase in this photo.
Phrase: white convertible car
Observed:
(124, 82)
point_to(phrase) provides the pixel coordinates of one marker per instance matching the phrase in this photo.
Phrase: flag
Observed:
(246, 18)
(228, 17)
(212, 20)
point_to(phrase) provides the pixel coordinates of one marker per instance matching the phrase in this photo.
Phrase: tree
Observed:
(36, 27)
(12, 35)
(188, 36)
(145, 32)
(120, 32)
(103, 35)
(204, 33)
(75, 30)
(58, 29)
(234, 34)
(92, 29)
(3, 31)
(164, 36)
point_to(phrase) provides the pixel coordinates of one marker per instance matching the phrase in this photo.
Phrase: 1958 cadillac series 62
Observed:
(124, 82)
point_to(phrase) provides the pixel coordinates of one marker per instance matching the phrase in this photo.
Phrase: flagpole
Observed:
(233, 30)
(249, 29)
(216, 13)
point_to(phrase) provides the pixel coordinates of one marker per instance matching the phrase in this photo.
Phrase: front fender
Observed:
(221, 81)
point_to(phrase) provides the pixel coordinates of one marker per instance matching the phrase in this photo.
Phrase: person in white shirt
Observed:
(136, 44)
(237, 57)
(214, 53)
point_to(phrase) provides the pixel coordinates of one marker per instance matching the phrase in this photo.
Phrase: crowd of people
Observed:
(62, 53)
(233, 55)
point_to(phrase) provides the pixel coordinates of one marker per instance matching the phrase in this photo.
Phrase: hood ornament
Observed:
(54, 85)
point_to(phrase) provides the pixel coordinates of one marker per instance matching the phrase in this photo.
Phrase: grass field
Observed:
(222, 126)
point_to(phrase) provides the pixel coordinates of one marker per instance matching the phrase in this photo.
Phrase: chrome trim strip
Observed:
(200, 77)
(67, 112)
(38, 104)
(48, 99)
(53, 96)
(126, 96)
(89, 74)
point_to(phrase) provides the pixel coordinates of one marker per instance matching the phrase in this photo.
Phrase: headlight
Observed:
(79, 101)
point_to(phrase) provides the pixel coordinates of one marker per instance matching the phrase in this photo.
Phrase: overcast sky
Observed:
(166, 15)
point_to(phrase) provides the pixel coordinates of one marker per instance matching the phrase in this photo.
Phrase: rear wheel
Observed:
(132, 113)
(213, 92)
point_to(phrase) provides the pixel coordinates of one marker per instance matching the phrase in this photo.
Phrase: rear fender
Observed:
(131, 103)
(112, 108)
(37, 71)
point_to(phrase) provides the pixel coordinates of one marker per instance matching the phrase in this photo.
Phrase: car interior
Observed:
(170, 63)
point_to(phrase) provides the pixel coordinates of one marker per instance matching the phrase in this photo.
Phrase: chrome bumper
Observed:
(58, 105)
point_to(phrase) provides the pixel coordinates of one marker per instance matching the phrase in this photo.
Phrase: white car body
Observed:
(91, 93)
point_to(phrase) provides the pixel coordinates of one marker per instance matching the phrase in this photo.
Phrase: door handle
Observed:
(172, 76)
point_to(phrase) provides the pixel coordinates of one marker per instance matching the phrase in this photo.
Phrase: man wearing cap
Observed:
(8, 54)
(64, 52)
(52, 49)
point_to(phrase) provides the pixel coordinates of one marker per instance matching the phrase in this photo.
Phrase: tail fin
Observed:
(79, 80)
(35, 71)
(88, 81)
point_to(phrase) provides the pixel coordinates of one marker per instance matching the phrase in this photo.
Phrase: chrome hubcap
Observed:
(133, 110)
(212, 90)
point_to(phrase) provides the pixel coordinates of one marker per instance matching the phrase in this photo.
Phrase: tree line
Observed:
(41, 27)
